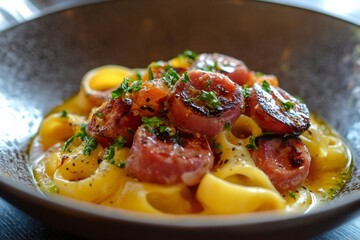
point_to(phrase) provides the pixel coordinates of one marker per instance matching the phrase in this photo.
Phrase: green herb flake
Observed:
(67, 143)
(135, 86)
(109, 155)
(210, 99)
(252, 145)
(292, 195)
(170, 77)
(138, 76)
(90, 145)
(208, 83)
(287, 105)
(122, 90)
(211, 68)
(170, 131)
(158, 64)
(259, 74)
(186, 78)
(266, 86)
(217, 147)
(119, 164)
(120, 142)
(64, 114)
(190, 55)
(246, 91)
(150, 73)
(82, 135)
(127, 85)
(151, 123)
(130, 131)
(99, 115)
(227, 126)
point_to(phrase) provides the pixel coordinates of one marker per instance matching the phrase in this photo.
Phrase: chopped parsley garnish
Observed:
(186, 78)
(138, 76)
(292, 195)
(152, 123)
(209, 98)
(64, 114)
(99, 115)
(170, 131)
(121, 91)
(110, 152)
(170, 77)
(189, 55)
(163, 132)
(80, 135)
(120, 142)
(227, 126)
(125, 87)
(135, 86)
(90, 145)
(259, 74)
(246, 91)
(150, 73)
(119, 164)
(208, 83)
(131, 131)
(287, 105)
(90, 142)
(217, 147)
(67, 143)
(266, 86)
(252, 144)
(211, 68)
(158, 63)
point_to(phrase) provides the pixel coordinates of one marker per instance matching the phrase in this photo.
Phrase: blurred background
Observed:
(17, 11)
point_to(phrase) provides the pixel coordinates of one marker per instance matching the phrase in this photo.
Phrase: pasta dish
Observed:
(198, 134)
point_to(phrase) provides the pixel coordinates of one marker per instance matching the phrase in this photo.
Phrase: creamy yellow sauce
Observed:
(237, 180)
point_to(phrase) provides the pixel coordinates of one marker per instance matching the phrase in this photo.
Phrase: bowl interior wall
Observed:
(43, 61)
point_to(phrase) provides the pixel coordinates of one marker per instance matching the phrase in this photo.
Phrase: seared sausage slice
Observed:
(203, 102)
(184, 158)
(113, 119)
(285, 160)
(277, 111)
(235, 69)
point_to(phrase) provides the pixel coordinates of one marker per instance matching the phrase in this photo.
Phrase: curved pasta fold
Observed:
(326, 148)
(57, 128)
(97, 84)
(237, 185)
(220, 196)
(151, 198)
(94, 183)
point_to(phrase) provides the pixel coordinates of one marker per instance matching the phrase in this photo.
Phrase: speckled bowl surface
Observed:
(42, 62)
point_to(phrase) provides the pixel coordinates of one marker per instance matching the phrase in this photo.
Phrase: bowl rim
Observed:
(313, 8)
(79, 3)
(11, 189)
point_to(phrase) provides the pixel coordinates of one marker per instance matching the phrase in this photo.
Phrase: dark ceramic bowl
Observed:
(42, 62)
